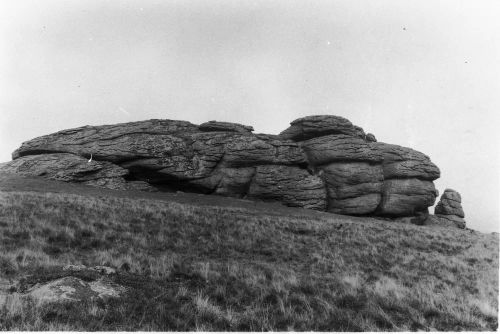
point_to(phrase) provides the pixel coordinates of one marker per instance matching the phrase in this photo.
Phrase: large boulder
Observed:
(320, 162)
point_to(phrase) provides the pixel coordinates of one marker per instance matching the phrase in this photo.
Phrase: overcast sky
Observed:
(423, 74)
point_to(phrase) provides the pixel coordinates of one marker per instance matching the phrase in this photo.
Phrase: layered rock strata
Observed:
(363, 176)
(319, 162)
(449, 208)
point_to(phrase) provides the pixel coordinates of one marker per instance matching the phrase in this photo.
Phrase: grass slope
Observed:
(246, 268)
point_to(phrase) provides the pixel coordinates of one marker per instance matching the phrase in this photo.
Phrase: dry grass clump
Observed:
(207, 268)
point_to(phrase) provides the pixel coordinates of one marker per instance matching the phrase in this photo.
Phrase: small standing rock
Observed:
(449, 208)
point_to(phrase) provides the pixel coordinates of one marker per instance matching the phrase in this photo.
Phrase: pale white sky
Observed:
(424, 74)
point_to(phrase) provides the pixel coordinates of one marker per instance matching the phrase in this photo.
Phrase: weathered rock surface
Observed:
(320, 162)
(70, 168)
(73, 168)
(244, 151)
(331, 148)
(371, 137)
(353, 187)
(450, 204)
(321, 125)
(72, 289)
(113, 143)
(360, 205)
(406, 197)
(70, 284)
(404, 162)
(394, 189)
(449, 208)
(225, 126)
(290, 185)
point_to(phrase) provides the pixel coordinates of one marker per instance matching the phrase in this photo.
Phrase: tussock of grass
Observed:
(209, 268)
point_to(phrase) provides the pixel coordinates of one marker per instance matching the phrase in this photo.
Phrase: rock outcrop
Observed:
(319, 162)
(70, 284)
(449, 208)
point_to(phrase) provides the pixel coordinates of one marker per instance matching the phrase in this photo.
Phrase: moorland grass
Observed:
(206, 268)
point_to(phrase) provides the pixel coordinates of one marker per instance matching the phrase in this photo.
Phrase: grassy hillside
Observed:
(246, 267)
